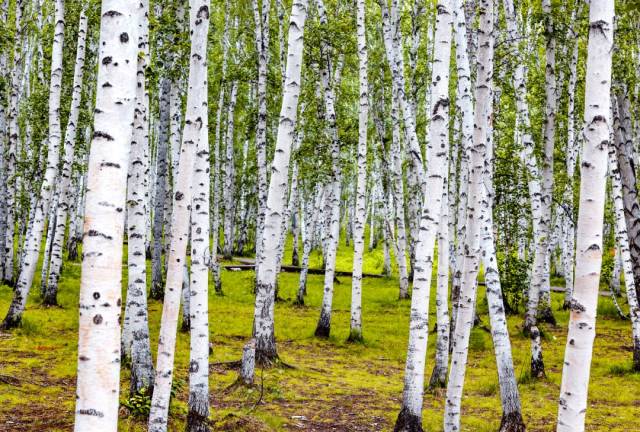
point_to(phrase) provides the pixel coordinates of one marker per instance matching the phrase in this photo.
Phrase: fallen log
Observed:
(294, 269)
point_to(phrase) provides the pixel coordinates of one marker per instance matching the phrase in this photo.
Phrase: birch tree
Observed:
(410, 416)
(481, 141)
(361, 183)
(12, 147)
(183, 192)
(98, 382)
(266, 264)
(135, 336)
(582, 319)
(199, 287)
(37, 223)
(64, 186)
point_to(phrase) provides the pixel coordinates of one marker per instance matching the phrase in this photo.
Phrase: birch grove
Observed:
(358, 176)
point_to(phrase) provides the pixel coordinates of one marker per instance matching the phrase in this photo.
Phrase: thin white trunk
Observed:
(410, 416)
(622, 238)
(11, 158)
(267, 263)
(475, 223)
(34, 237)
(261, 20)
(135, 333)
(441, 366)
(199, 289)
(582, 319)
(229, 190)
(64, 186)
(361, 182)
(194, 123)
(162, 178)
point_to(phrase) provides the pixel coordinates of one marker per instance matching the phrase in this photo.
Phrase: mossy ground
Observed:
(335, 385)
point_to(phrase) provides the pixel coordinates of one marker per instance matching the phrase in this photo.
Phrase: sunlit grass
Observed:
(335, 384)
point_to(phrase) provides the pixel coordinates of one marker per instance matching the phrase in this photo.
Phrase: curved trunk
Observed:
(477, 199)
(267, 261)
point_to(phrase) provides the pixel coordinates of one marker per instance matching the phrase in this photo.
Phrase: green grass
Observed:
(335, 385)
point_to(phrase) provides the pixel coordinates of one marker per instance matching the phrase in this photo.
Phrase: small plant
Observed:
(139, 405)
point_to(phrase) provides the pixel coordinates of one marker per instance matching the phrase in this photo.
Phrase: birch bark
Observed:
(361, 182)
(622, 238)
(577, 360)
(410, 416)
(34, 237)
(199, 287)
(481, 142)
(12, 147)
(135, 335)
(194, 123)
(267, 262)
(98, 382)
(64, 186)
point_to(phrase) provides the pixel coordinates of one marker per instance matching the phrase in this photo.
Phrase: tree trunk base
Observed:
(156, 293)
(537, 364)
(438, 378)
(50, 299)
(407, 422)
(355, 336)
(512, 422)
(11, 322)
(197, 417)
(323, 329)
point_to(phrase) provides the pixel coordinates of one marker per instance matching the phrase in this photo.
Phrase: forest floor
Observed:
(334, 385)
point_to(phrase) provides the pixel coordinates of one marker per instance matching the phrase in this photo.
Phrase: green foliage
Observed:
(514, 279)
(138, 405)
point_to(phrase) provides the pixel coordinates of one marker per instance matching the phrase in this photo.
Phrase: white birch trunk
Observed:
(199, 287)
(361, 182)
(11, 158)
(622, 238)
(441, 366)
(230, 174)
(261, 20)
(464, 104)
(162, 179)
(568, 227)
(98, 382)
(64, 186)
(267, 264)
(135, 333)
(582, 319)
(410, 416)
(481, 141)
(34, 237)
(194, 122)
